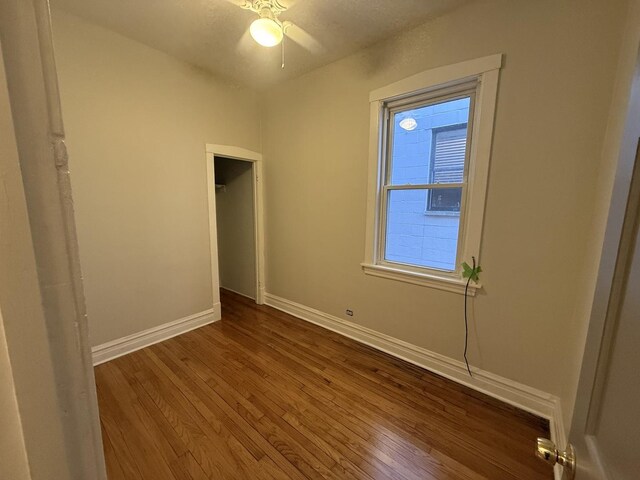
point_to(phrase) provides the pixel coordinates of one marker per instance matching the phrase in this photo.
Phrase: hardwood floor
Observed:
(263, 395)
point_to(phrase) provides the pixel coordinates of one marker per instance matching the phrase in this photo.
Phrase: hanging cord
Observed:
(466, 322)
(284, 36)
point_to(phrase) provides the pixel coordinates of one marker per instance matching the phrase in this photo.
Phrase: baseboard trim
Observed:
(519, 395)
(122, 346)
(237, 293)
(261, 296)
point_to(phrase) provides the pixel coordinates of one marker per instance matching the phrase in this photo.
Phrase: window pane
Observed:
(429, 143)
(416, 237)
(444, 200)
(449, 148)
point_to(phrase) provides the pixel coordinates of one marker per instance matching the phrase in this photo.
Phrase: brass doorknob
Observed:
(547, 451)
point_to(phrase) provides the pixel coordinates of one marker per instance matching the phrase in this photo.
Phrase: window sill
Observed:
(434, 213)
(448, 284)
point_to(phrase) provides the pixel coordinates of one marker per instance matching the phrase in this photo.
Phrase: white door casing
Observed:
(616, 256)
(237, 153)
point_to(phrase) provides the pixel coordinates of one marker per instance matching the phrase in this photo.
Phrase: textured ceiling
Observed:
(212, 34)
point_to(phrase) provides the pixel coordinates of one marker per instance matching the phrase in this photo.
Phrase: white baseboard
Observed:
(237, 292)
(522, 396)
(131, 343)
(261, 296)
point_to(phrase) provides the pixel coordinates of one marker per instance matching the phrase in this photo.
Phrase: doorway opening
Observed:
(236, 227)
(235, 218)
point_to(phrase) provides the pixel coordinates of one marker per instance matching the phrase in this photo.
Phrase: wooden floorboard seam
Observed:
(264, 395)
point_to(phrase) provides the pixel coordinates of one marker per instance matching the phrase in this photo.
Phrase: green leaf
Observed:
(467, 269)
(470, 272)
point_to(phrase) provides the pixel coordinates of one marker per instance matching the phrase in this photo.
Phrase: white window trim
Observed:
(486, 70)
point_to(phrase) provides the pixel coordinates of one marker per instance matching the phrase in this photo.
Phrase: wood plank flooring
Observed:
(263, 395)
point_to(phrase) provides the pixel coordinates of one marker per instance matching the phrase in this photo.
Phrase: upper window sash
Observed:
(435, 96)
(429, 96)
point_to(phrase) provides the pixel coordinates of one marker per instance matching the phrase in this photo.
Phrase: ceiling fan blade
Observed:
(237, 3)
(287, 3)
(303, 38)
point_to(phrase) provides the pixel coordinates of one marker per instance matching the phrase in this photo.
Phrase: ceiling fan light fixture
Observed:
(266, 31)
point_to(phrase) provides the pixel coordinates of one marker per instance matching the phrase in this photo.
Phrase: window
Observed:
(425, 182)
(430, 144)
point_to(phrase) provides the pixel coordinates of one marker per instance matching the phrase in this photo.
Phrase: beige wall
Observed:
(236, 234)
(30, 414)
(13, 459)
(552, 111)
(617, 160)
(137, 123)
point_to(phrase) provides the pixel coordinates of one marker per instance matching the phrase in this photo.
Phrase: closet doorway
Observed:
(235, 218)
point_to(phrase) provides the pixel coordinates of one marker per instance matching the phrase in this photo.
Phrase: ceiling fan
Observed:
(268, 30)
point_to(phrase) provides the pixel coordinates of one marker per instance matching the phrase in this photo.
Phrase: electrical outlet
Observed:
(350, 312)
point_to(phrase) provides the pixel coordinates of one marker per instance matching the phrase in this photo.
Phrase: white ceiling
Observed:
(212, 34)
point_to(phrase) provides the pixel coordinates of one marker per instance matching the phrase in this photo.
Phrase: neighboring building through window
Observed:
(430, 158)
(448, 149)
(426, 179)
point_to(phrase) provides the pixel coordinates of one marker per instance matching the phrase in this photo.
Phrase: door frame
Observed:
(624, 132)
(237, 153)
(43, 306)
